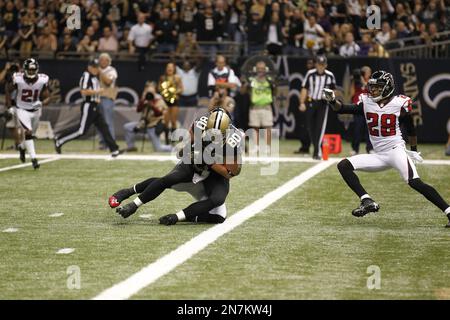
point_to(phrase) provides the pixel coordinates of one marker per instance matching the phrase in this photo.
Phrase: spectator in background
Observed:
(47, 41)
(221, 99)
(314, 34)
(166, 33)
(187, 18)
(90, 32)
(153, 108)
(86, 45)
(108, 77)
(94, 12)
(323, 20)
(329, 48)
(139, 40)
(222, 76)
(188, 47)
(108, 42)
(123, 40)
(275, 35)
(295, 34)
(10, 17)
(385, 34)
(189, 78)
(401, 29)
(207, 30)
(67, 44)
(25, 38)
(256, 32)
(350, 48)
(366, 45)
(222, 17)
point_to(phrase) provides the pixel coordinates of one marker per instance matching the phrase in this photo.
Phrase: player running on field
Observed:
(384, 113)
(31, 90)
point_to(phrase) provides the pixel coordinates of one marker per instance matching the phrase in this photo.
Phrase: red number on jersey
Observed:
(372, 123)
(388, 122)
(388, 125)
(29, 95)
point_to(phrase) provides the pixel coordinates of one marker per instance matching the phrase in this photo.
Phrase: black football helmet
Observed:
(381, 85)
(31, 68)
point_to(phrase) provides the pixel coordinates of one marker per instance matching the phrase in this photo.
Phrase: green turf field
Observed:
(304, 246)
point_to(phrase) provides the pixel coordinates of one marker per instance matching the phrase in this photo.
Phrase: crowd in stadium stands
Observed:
(332, 27)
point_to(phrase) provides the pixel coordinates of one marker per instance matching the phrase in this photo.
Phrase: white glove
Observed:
(414, 156)
(328, 95)
(37, 104)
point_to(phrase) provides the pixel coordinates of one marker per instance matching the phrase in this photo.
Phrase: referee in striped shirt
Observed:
(90, 114)
(312, 103)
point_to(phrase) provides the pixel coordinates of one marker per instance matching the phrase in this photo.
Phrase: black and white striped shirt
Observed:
(315, 83)
(90, 82)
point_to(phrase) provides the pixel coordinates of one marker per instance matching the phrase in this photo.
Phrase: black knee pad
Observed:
(416, 183)
(345, 166)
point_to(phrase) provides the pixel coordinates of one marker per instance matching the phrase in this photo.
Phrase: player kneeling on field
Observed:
(207, 180)
(384, 113)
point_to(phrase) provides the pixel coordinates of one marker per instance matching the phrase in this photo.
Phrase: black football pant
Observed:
(216, 187)
(303, 132)
(316, 120)
(89, 115)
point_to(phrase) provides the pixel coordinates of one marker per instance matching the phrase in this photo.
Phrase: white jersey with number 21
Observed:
(28, 93)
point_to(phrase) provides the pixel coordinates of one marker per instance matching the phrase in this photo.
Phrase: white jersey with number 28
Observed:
(383, 121)
(28, 93)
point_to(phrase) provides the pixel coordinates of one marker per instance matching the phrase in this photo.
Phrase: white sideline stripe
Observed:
(23, 165)
(260, 160)
(167, 263)
(10, 230)
(55, 215)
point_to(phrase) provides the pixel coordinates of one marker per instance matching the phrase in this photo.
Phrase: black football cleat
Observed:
(123, 194)
(22, 154)
(57, 148)
(367, 205)
(127, 210)
(116, 153)
(35, 164)
(169, 219)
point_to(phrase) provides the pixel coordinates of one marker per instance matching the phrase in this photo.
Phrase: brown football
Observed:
(233, 167)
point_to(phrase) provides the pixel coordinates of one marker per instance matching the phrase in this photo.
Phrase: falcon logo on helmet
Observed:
(381, 85)
(31, 68)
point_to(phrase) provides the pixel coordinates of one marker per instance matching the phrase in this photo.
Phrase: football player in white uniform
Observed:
(384, 112)
(31, 92)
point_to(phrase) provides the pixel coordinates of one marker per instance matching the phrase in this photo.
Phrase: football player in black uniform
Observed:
(211, 134)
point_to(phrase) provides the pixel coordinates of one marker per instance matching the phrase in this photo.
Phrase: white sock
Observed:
(365, 196)
(138, 202)
(447, 211)
(29, 145)
(181, 216)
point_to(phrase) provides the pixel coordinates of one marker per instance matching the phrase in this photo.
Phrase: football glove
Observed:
(328, 95)
(414, 156)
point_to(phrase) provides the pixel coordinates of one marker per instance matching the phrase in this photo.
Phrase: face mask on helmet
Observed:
(375, 90)
(380, 86)
(31, 69)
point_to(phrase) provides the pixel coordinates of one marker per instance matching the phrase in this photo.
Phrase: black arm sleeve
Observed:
(406, 121)
(351, 108)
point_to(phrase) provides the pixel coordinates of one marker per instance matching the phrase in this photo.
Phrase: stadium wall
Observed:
(426, 81)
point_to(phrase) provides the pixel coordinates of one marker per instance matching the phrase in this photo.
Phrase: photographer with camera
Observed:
(221, 99)
(359, 86)
(11, 123)
(152, 107)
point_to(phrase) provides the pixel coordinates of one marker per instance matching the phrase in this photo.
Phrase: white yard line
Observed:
(23, 165)
(167, 263)
(158, 157)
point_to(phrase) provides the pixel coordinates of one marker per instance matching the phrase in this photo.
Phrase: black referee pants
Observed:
(216, 187)
(316, 121)
(89, 115)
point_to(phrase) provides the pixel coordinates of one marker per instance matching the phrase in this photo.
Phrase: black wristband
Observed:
(414, 148)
